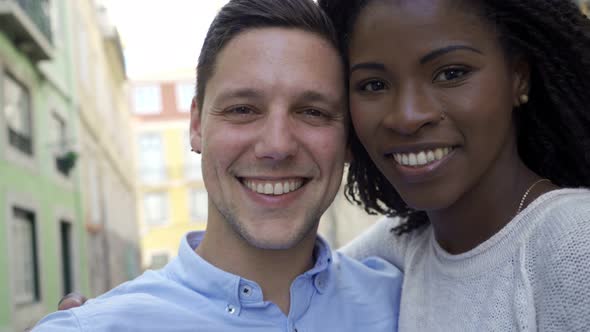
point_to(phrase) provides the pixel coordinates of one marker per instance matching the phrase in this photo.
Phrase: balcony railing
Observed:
(20, 141)
(38, 12)
(28, 25)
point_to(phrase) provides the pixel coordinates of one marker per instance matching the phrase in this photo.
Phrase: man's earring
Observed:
(524, 98)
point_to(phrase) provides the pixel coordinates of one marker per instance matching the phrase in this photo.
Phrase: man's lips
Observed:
(273, 187)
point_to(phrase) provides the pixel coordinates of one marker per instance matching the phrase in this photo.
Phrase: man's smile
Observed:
(273, 187)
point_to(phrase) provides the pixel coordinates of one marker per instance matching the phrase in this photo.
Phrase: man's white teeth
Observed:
(273, 187)
(421, 158)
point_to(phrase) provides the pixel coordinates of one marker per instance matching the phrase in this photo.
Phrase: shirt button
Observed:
(298, 283)
(230, 309)
(246, 291)
(319, 282)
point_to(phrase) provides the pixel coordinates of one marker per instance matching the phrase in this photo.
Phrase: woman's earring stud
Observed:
(524, 98)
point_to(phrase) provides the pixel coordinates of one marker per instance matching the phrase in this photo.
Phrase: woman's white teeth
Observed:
(421, 158)
(273, 187)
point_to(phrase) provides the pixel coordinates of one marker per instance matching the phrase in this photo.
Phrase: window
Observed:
(104, 100)
(159, 260)
(151, 158)
(198, 205)
(60, 140)
(60, 135)
(26, 268)
(184, 96)
(83, 55)
(17, 111)
(95, 194)
(155, 208)
(192, 164)
(55, 17)
(147, 99)
(65, 230)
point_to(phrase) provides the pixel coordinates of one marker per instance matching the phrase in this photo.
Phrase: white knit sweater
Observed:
(532, 275)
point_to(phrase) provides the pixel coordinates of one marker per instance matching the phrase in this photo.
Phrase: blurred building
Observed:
(584, 6)
(62, 82)
(41, 226)
(106, 155)
(343, 221)
(171, 197)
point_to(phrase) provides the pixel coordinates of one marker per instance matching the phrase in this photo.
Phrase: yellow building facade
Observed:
(171, 195)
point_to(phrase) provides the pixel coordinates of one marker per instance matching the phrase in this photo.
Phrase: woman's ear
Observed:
(521, 82)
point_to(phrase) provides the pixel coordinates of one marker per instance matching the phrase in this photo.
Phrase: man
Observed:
(270, 120)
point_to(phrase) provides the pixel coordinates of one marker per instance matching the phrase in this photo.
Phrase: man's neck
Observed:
(272, 270)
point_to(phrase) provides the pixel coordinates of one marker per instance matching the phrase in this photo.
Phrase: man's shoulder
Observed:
(366, 275)
(368, 267)
(368, 290)
(123, 312)
(152, 299)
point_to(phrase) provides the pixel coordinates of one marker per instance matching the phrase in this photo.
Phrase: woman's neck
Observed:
(484, 209)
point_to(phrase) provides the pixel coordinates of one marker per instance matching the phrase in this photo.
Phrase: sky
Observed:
(161, 36)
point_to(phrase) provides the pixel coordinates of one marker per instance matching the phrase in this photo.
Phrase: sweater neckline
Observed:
(497, 249)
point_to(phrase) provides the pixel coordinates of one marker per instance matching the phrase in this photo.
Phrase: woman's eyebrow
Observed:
(368, 66)
(442, 51)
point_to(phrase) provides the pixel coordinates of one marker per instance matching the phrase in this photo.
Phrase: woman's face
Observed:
(431, 97)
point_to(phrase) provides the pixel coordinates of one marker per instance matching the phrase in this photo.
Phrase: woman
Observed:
(475, 131)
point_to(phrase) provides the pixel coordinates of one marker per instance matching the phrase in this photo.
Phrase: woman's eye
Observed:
(450, 74)
(372, 86)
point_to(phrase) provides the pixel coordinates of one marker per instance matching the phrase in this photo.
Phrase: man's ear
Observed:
(348, 158)
(521, 82)
(195, 127)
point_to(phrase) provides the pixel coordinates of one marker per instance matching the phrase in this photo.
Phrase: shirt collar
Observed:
(204, 278)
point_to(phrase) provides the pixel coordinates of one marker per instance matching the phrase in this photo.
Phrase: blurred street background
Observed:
(97, 179)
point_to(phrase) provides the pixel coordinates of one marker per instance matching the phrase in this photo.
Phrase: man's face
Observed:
(272, 132)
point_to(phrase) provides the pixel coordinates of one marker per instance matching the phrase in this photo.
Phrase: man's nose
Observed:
(277, 140)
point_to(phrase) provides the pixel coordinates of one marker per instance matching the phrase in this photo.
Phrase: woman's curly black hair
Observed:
(553, 128)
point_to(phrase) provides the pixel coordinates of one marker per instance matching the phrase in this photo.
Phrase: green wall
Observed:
(51, 87)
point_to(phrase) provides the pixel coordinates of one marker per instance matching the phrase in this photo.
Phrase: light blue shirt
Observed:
(189, 294)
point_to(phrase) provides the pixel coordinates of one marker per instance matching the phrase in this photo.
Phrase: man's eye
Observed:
(451, 74)
(316, 116)
(241, 110)
(372, 86)
(313, 112)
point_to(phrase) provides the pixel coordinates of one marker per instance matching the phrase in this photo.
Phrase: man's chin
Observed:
(276, 239)
(273, 242)
(278, 233)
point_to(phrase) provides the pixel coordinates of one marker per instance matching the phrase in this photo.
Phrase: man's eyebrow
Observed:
(442, 51)
(368, 66)
(311, 96)
(240, 93)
